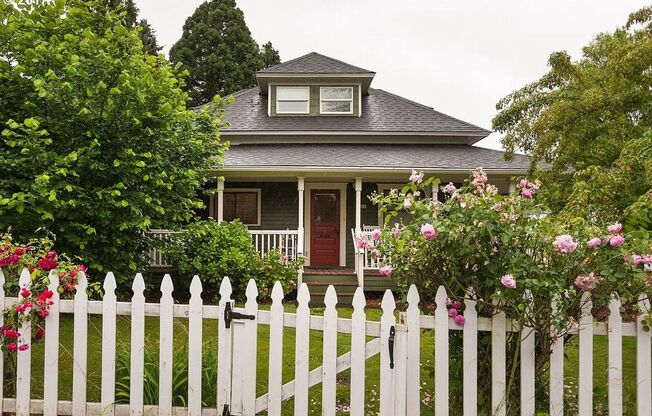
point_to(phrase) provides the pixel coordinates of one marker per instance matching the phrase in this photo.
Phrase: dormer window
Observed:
(292, 100)
(336, 100)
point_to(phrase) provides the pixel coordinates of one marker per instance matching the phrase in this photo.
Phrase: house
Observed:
(312, 141)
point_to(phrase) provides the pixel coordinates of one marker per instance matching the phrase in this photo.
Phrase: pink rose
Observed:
(386, 270)
(452, 312)
(595, 242)
(523, 183)
(508, 281)
(564, 244)
(526, 193)
(416, 177)
(497, 206)
(616, 241)
(375, 234)
(428, 232)
(615, 228)
(459, 320)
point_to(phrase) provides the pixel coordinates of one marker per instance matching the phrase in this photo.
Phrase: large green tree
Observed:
(578, 118)
(97, 144)
(147, 33)
(217, 49)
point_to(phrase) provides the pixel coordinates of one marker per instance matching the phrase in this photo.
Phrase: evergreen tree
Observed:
(218, 51)
(147, 34)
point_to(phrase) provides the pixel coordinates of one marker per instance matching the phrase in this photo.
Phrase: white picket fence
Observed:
(399, 346)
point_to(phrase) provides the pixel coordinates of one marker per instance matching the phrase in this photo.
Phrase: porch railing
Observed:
(285, 241)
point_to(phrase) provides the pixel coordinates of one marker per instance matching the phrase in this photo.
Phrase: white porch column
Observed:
(359, 256)
(434, 191)
(220, 200)
(300, 229)
(512, 186)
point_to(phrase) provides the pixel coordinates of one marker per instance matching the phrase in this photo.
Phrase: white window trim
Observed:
(322, 100)
(258, 209)
(294, 100)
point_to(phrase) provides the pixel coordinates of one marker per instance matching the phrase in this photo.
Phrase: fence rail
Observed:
(397, 343)
(284, 241)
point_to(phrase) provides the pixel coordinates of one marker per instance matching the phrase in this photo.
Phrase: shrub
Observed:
(503, 247)
(213, 250)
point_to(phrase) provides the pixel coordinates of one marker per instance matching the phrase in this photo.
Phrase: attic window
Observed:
(336, 100)
(292, 100)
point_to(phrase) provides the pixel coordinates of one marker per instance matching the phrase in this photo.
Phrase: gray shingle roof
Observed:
(373, 156)
(314, 63)
(382, 112)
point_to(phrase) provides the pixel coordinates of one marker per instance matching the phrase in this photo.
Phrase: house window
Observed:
(243, 205)
(336, 100)
(292, 100)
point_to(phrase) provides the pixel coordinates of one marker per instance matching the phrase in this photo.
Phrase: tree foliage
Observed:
(581, 114)
(217, 49)
(98, 145)
(130, 10)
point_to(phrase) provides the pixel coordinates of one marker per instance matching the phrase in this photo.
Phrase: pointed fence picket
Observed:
(166, 338)
(195, 328)
(109, 310)
(397, 343)
(24, 364)
(51, 358)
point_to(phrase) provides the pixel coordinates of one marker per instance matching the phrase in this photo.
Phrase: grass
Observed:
(343, 392)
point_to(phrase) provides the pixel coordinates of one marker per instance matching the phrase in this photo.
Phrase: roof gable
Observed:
(314, 63)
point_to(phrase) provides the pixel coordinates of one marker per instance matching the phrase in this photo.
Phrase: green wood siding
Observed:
(314, 101)
(278, 204)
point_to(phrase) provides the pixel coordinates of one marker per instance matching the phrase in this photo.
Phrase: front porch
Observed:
(313, 216)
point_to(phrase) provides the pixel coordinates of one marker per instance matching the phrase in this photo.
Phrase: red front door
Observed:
(325, 227)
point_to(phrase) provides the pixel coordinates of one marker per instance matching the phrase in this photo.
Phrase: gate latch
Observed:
(392, 334)
(230, 315)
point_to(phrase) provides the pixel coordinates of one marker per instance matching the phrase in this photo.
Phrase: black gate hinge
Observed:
(230, 315)
(226, 411)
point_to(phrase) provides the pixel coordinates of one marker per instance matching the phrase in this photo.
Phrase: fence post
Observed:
(51, 359)
(556, 368)
(2, 322)
(24, 361)
(223, 347)
(108, 345)
(527, 364)
(195, 329)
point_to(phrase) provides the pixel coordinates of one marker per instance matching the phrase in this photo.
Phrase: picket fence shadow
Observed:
(397, 343)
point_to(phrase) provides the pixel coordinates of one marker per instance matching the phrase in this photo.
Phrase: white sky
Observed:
(458, 56)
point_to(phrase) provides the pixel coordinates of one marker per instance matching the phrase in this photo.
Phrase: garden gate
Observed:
(398, 344)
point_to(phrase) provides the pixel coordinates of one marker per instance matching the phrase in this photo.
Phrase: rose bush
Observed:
(36, 298)
(496, 248)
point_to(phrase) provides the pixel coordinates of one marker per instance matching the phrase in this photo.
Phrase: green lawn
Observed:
(372, 380)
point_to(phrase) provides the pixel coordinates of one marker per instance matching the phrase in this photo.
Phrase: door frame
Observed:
(307, 213)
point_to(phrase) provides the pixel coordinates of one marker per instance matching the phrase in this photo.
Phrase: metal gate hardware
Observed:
(392, 334)
(230, 315)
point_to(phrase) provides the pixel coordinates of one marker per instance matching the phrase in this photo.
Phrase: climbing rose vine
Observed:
(35, 299)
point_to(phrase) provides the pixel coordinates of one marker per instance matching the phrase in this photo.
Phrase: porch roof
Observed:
(341, 156)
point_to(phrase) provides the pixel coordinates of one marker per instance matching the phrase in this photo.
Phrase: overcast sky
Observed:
(458, 56)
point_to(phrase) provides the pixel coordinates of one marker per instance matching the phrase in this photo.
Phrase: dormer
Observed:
(314, 85)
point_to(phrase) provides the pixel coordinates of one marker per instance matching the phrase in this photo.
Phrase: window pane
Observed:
(242, 206)
(337, 93)
(292, 93)
(247, 207)
(292, 107)
(336, 106)
(325, 207)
